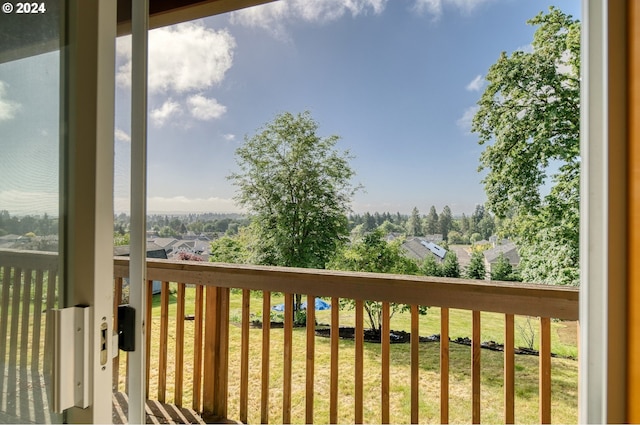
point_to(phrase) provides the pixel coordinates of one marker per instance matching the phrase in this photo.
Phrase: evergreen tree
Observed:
(444, 222)
(432, 221)
(450, 266)
(414, 225)
(476, 269)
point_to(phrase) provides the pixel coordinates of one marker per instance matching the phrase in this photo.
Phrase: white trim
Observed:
(137, 296)
(89, 92)
(594, 172)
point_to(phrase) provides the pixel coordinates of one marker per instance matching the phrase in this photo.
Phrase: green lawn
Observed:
(564, 371)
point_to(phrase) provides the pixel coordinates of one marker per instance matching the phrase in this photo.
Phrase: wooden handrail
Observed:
(559, 302)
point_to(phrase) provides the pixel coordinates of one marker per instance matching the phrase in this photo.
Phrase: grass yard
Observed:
(564, 371)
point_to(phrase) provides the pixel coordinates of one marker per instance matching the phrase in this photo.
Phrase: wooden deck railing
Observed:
(28, 288)
(208, 370)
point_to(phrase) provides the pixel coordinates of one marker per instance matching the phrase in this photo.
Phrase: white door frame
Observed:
(603, 221)
(138, 236)
(88, 91)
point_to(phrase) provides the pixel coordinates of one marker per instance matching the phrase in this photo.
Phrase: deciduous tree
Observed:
(529, 121)
(374, 254)
(297, 186)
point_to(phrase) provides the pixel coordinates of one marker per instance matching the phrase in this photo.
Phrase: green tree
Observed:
(456, 238)
(444, 221)
(503, 270)
(476, 269)
(414, 224)
(450, 265)
(430, 266)
(374, 254)
(388, 227)
(167, 232)
(298, 187)
(228, 250)
(529, 120)
(120, 239)
(431, 222)
(487, 226)
(464, 224)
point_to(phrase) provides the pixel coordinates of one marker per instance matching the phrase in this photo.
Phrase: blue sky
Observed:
(397, 80)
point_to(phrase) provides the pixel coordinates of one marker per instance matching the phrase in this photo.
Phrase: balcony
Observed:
(217, 364)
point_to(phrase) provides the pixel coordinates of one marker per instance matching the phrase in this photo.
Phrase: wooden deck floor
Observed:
(157, 413)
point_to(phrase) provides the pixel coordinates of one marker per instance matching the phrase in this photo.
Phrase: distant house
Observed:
(392, 236)
(166, 243)
(153, 251)
(197, 247)
(508, 249)
(419, 248)
(9, 241)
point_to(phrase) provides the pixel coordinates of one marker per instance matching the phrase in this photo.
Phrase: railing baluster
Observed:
(148, 337)
(266, 330)
(117, 299)
(209, 347)
(244, 358)
(385, 342)
(37, 321)
(14, 334)
(444, 365)
(415, 364)
(475, 368)
(311, 348)
(509, 371)
(222, 354)
(164, 336)
(36, 365)
(26, 317)
(179, 360)
(197, 348)
(545, 370)
(359, 346)
(4, 318)
(288, 357)
(333, 386)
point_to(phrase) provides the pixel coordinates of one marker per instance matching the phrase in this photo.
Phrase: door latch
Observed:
(126, 328)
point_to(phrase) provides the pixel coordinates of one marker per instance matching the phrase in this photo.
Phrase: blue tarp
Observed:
(320, 305)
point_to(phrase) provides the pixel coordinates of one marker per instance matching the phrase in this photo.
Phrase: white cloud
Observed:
(435, 7)
(527, 48)
(273, 16)
(168, 109)
(476, 84)
(430, 7)
(122, 135)
(229, 137)
(182, 58)
(465, 121)
(8, 108)
(19, 202)
(205, 109)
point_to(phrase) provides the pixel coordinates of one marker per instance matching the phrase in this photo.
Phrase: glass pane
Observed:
(30, 105)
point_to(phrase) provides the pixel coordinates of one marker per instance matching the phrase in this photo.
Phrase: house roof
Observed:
(153, 251)
(436, 250)
(164, 242)
(418, 249)
(509, 249)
